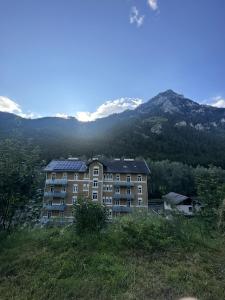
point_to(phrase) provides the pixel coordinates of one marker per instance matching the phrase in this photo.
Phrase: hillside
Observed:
(167, 126)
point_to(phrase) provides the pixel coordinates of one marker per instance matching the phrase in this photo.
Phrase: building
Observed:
(120, 184)
(181, 203)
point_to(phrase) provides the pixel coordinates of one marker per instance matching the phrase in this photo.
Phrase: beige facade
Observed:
(121, 192)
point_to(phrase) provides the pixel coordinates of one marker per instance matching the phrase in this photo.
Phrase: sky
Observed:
(90, 58)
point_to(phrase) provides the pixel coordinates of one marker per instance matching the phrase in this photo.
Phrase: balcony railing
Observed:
(54, 194)
(123, 183)
(123, 196)
(54, 207)
(56, 181)
(119, 208)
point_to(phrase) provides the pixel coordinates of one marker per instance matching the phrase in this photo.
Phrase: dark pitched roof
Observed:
(111, 166)
(126, 166)
(175, 198)
(66, 165)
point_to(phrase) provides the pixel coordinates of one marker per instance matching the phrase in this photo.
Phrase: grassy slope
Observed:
(57, 264)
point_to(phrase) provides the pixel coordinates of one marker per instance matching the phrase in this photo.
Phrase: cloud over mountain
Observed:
(10, 106)
(108, 108)
(218, 102)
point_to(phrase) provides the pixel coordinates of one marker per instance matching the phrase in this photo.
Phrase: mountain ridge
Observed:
(167, 126)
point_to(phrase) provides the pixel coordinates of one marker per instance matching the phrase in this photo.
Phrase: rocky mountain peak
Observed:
(169, 102)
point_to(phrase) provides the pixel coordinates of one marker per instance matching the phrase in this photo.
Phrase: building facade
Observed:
(120, 184)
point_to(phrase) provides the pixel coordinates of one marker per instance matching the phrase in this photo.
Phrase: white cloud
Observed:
(10, 106)
(108, 108)
(135, 17)
(62, 115)
(218, 102)
(153, 4)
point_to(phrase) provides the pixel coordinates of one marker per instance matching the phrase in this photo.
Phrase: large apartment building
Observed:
(120, 184)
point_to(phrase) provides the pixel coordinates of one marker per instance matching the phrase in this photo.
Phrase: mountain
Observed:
(167, 126)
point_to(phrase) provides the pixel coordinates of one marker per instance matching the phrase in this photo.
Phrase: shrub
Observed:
(89, 216)
(145, 233)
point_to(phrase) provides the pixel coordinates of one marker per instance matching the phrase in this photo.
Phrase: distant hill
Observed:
(167, 126)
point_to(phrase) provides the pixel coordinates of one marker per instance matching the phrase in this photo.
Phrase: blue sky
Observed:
(69, 56)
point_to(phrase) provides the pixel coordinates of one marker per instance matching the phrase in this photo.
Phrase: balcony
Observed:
(54, 207)
(56, 181)
(123, 183)
(119, 208)
(54, 194)
(123, 196)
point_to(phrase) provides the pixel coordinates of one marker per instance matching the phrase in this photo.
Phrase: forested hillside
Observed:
(169, 126)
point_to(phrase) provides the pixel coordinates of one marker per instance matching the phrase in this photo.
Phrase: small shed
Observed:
(182, 203)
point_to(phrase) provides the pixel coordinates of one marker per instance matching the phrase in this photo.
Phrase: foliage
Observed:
(145, 233)
(19, 169)
(114, 264)
(169, 176)
(210, 184)
(221, 221)
(89, 216)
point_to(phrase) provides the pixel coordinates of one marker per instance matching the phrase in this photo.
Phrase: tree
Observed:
(19, 168)
(211, 191)
(89, 216)
(169, 176)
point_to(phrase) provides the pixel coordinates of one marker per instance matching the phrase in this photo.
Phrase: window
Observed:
(86, 175)
(107, 200)
(96, 171)
(108, 176)
(49, 214)
(94, 196)
(75, 176)
(52, 189)
(128, 191)
(139, 189)
(74, 199)
(129, 203)
(117, 202)
(75, 188)
(53, 176)
(139, 201)
(117, 190)
(128, 178)
(64, 176)
(85, 187)
(63, 189)
(117, 177)
(139, 178)
(95, 183)
(62, 202)
(107, 188)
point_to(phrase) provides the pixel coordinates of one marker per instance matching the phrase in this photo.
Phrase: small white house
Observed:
(183, 204)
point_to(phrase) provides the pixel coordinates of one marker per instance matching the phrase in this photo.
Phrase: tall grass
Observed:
(133, 258)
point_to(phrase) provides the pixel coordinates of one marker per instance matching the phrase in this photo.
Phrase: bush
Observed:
(145, 233)
(89, 216)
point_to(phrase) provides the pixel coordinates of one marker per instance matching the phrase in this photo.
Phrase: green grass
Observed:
(55, 263)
